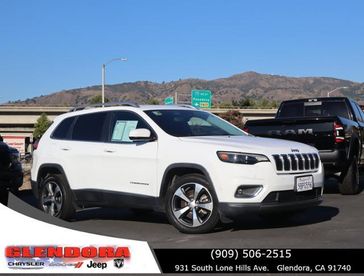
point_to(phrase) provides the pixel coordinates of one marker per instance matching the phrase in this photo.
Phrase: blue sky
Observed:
(48, 46)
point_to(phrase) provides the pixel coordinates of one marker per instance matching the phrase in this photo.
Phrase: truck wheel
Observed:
(55, 197)
(192, 205)
(349, 181)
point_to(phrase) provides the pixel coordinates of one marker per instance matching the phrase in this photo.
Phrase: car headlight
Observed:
(241, 158)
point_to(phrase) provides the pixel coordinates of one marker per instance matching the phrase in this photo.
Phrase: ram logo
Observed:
(305, 131)
(300, 131)
(119, 263)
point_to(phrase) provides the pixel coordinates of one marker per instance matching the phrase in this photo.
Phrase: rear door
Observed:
(80, 152)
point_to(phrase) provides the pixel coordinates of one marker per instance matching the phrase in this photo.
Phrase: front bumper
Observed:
(279, 201)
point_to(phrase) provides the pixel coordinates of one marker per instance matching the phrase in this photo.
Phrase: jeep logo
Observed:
(300, 131)
(295, 150)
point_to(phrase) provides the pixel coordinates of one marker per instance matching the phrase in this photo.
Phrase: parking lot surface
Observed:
(337, 223)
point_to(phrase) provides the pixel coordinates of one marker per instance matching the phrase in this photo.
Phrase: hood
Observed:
(251, 144)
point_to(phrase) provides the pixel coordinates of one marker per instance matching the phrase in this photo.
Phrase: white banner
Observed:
(32, 246)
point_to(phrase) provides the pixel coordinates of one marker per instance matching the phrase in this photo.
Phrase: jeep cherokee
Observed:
(189, 163)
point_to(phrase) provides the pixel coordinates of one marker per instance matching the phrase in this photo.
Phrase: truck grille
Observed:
(296, 162)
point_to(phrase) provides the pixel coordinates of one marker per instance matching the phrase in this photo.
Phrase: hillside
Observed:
(249, 84)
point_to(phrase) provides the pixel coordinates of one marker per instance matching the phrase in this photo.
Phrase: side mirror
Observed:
(140, 134)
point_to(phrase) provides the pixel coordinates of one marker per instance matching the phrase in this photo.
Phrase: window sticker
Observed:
(122, 129)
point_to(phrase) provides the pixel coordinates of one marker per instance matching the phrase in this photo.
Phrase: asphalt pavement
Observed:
(337, 223)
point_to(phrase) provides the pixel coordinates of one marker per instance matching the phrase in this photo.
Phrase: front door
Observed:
(127, 166)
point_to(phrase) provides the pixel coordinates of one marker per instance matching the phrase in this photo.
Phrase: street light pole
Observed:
(343, 87)
(103, 70)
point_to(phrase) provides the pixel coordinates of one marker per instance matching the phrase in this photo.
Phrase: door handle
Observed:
(109, 151)
(65, 149)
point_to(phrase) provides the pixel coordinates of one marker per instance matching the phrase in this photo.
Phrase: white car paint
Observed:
(139, 169)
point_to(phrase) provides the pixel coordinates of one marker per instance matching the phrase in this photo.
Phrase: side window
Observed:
(122, 123)
(63, 129)
(89, 127)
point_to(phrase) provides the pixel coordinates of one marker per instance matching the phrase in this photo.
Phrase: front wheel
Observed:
(192, 205)
(349, 180)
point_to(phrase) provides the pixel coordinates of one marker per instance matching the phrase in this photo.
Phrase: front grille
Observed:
(297, 162)
(291, 196)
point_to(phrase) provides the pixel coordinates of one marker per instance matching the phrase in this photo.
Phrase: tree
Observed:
(41, 126)
(245, 102)
(97, 99)
(153, 101)
(234, 117)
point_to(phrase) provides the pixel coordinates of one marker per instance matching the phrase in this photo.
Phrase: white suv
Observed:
(189, 163)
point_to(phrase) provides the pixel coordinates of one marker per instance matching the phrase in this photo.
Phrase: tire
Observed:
(349, 183)
(184, 208)
(55, 198)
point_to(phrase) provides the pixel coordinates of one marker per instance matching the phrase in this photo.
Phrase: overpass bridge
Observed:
(17, 122)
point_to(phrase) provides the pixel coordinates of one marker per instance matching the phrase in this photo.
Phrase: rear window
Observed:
(314, 109)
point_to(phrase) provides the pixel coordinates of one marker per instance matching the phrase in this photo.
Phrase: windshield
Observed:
(183, 123)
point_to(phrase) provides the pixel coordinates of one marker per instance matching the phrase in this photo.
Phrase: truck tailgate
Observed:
(317, 132)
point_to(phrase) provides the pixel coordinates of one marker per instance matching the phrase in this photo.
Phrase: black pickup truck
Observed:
(335, 126)
(11, 172)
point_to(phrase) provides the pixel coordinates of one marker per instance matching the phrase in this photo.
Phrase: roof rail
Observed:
(82, 107)
(187, 106)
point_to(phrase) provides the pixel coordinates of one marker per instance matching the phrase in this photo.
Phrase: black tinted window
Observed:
(294, 109)
(314, 109)
(122, 123)
(62, 130)
(89, 127)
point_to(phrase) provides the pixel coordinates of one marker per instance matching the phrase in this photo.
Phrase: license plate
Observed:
(304, 183)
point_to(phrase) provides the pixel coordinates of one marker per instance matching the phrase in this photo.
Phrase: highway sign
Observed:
(201, 98)
(168, 100)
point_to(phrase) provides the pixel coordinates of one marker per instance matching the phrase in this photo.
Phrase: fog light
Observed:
(248, 191)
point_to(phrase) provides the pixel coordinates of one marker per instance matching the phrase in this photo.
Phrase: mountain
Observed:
(248, 84)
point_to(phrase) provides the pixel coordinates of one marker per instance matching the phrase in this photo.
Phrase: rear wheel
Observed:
(55, 197)
(349, 180)
(192, 205)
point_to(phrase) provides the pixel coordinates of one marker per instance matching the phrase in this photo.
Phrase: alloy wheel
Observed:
(192, 204)
(52, 198)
